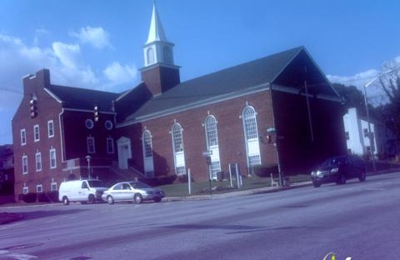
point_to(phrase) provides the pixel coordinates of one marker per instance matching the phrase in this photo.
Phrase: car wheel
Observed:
(91, 200)
(110, 200)
(138, 198)
(362, 176)
(316, 184)
(157, 199)
(341, 180)
(65, 201)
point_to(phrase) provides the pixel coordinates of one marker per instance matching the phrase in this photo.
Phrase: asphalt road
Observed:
(357, 220)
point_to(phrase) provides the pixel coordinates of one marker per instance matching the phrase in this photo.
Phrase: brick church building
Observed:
(277, 110)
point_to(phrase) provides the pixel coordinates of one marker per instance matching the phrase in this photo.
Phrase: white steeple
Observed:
(156, 32)
(157, 49)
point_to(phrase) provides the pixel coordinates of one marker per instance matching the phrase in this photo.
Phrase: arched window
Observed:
(249, 117)
(211, 131)
(150, 56)
(168, 55)
(210, 125)
(147, 144)
(177, 143)
(148, 153)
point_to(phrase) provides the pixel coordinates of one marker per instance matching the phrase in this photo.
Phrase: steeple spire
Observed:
(156, 32)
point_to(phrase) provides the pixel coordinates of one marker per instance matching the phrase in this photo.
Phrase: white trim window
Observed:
(53, 157)
(147, 144)
(25, 190)
(177, 145)
(53, 186)
(38, 157)
(110, 145)
(24, 164)
(39, 188)
(210, 125)
(249, 117)
(36, 133)
(23, 136)
(90, 142)
(50, 128)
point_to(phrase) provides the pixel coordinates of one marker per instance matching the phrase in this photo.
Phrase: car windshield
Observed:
(139, 185)
(97, 184)
(331, 162)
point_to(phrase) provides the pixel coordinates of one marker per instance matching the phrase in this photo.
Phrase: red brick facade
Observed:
(230, 135)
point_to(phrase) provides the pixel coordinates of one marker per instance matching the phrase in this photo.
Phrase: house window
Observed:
(53, 186)
(50, 128)
(177, 143)
(25, 164)
(365, 132)
(110, 145)
(36, 133)
(39, 188)
(90, 145)
(53, 162)
(347, 135)
(38, 157)
(25, 190)
(23, 137)
(251, 135)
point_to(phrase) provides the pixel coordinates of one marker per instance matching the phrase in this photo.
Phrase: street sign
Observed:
(271, 130)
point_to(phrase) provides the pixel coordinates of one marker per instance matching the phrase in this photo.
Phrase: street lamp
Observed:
(370, 134)
(88, 158)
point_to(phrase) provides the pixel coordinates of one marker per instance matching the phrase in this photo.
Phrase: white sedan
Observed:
(135, 191)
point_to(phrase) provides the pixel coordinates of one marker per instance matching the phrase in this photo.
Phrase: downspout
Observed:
(281, 182)
(61, 135)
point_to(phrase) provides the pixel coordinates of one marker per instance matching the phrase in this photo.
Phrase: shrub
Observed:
(42, 197)
(265, 170)
(53, 195)
(29, 197)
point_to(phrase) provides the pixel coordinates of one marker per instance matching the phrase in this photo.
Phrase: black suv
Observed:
(339, 169)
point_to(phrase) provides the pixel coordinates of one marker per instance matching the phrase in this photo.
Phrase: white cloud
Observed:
(375, 93)
(359, 80)
(118, 74)
(68, 54)
(95, 36)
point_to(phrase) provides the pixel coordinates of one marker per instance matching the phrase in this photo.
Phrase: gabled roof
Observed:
(85, 99)
(232, 81)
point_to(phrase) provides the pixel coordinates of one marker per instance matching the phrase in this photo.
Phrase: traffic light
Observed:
(96, 113)
(269, 139)
(33, 108)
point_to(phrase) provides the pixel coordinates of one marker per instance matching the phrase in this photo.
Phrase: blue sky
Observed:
(98, 44)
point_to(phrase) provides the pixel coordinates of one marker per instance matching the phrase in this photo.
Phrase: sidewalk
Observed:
(239, 192)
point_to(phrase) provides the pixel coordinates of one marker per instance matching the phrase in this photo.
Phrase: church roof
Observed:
(156, 32)
(80, 98)
(232, 81)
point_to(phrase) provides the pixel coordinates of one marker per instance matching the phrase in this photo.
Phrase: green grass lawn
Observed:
(217, 187)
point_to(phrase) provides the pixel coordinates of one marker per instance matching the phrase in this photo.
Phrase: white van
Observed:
(81, 191)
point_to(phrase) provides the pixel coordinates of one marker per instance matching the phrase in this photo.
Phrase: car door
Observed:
(126, 192)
